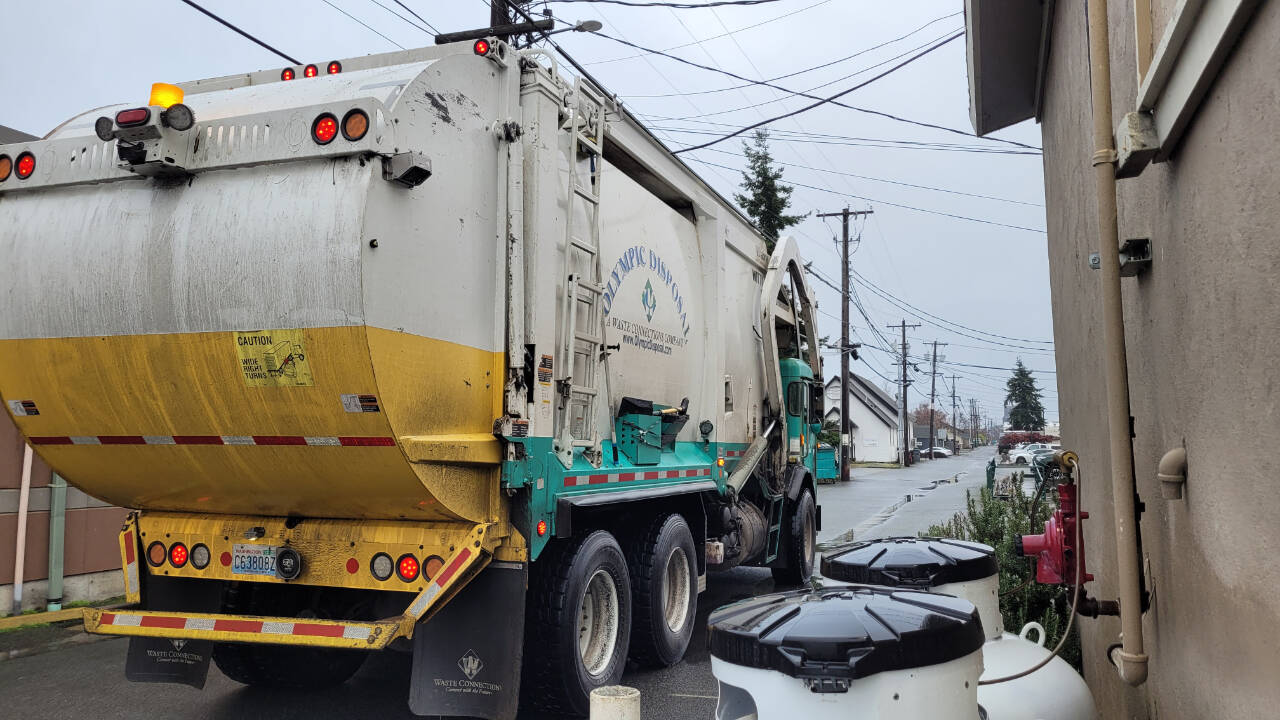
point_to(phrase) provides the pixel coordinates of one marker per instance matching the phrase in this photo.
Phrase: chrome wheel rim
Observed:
(676, 586)
(598, 623)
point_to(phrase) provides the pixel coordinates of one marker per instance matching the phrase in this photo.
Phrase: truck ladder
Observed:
(583, 359)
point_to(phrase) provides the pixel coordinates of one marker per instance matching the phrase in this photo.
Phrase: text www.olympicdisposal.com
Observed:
(644, 344)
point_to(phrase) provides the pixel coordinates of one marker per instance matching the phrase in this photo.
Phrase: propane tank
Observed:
(969, 570)
(847, 652)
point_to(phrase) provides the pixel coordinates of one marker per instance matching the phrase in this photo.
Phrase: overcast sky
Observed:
(74, 55)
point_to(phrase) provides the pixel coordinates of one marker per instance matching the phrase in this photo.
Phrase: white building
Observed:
(874, 434)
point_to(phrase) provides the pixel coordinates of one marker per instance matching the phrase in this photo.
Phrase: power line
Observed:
(820, 66)
(820, 102)
(420, 18)
(882, 143)
(950, 322)
(886, 202)
(677, 5)
(890, 182)
(409, 22)
(358, 20)
(715, 37)
(241, 32)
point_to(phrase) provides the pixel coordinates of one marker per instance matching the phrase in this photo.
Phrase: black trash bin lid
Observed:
(910, 562)
(844, 632)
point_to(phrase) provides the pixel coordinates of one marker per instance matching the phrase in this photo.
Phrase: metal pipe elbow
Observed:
(1172, 473)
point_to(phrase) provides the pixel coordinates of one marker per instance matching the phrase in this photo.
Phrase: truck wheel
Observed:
(577, 624)
(278, 666)
(664, 591)
(800, 543)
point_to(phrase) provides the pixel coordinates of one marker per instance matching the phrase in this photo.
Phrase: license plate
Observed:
(253, 560)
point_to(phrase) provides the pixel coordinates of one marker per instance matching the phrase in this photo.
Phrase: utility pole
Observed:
(906, 419)
(933, 392)
(845, 348)
(955, 420)
(973, 421)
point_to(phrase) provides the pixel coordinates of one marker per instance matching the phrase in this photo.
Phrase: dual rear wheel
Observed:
(592, 604)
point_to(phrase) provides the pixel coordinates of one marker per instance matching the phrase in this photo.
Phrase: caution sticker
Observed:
(273, 358)
(359, 403)
(21, 408)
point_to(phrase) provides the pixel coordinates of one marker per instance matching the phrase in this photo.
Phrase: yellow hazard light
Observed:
(164, 95)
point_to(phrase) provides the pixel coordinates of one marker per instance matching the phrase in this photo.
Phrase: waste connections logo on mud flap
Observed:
(470, 664)
(637, 333)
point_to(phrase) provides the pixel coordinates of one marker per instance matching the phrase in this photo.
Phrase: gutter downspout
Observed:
(20, 545)
(57, 535)
(1129, 658)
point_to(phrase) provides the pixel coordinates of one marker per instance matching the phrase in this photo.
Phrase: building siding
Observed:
(1202, 339)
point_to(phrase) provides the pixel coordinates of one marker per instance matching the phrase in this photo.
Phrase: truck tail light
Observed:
(324, 129)
(178, 555)
(26, 165)
(381, 566)
(136, 116)
(6, 167)
(156, 553)
(482, 47)
(407, 567)
(431, 566)
(334, 68)
(200, 556)
(310, 71)
(286, 74)
(355, 124)
(542, 528)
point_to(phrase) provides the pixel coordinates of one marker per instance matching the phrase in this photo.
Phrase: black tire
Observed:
(653, 642)
(1020, 461)
(277, 666)
(801, 541)
(555, 678)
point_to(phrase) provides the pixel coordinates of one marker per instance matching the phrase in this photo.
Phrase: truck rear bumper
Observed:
(468, 559)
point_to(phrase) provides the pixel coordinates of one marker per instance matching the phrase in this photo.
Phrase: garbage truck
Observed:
(438, 351)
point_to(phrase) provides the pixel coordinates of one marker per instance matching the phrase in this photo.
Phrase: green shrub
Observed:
(997, 523)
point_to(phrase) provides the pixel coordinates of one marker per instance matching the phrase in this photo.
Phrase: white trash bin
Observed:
(970, 570)
(847, 653)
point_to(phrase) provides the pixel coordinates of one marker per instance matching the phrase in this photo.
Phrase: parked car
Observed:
(937, 452)
(1023, 455)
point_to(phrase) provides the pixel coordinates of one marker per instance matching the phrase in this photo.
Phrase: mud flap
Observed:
(165, 660)
(466, 659)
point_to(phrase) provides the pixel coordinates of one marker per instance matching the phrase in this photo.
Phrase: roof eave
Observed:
(1007, 48)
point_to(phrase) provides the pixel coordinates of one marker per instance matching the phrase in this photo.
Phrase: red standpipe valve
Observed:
(1055, 550)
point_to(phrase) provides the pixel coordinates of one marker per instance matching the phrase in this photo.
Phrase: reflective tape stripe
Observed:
(277, 628)
(607, 478)
(264, 627)
(259, 440)
(200, 623)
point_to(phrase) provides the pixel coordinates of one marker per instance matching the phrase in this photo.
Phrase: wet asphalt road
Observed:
(87, 679)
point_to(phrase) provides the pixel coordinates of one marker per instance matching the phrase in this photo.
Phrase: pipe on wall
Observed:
(57, 535)
(1129, 658)
(20, 544)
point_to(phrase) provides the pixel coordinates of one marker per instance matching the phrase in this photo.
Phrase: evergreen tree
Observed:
(1023, 398)
(766, 199)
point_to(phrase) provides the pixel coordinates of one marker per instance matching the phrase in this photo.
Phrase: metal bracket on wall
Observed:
(1135, 256)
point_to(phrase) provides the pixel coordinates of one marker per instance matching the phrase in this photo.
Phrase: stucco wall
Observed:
(1203, 352)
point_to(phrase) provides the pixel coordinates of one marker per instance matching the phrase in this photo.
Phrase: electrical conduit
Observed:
(57, 534)
(1129, 658)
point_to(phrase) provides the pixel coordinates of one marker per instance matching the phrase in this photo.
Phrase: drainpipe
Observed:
(20, 546)
(1129, 658)
(57, 525)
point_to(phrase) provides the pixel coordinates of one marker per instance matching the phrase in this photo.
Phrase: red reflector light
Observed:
(225, 559)
(310, 71)
(286, 74)
(481, 47)
(353, 566)
(136, 116)
(407, 567)
(542, 528)
(26, 165)
(334, 68)
(178, 555)
(324, 129)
